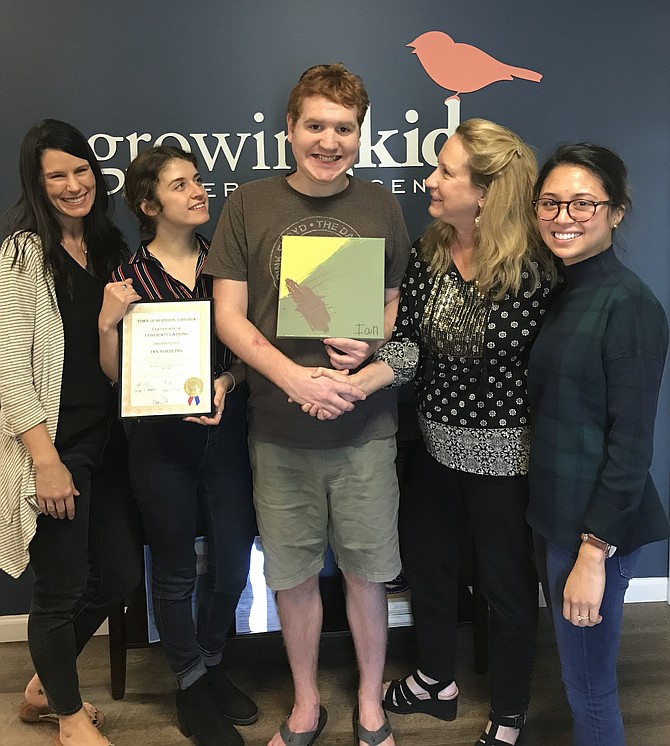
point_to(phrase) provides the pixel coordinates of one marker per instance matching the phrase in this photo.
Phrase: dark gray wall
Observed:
(218, 67)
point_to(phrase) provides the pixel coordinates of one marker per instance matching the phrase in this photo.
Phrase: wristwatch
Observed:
(609, 549)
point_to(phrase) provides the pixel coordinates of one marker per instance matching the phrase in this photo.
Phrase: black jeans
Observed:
(183, 475)
(437, 508)
(84, 566)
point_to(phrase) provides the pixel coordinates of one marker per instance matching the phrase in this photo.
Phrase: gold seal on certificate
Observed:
(166, 359)
(193, 387)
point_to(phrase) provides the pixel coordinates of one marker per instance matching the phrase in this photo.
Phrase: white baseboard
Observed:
(640, 590)
(647, 589)
(15, 628)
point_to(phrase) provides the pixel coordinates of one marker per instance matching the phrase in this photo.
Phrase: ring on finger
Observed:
(124, 286)
(582, 618)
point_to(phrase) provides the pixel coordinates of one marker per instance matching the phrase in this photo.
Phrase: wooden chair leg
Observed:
(117, 650)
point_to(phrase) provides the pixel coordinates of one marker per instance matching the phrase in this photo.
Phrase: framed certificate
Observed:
(165, 366)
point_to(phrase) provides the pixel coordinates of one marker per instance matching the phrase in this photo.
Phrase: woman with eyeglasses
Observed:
(593, 382)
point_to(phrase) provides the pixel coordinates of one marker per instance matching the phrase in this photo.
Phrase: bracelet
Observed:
(594, 541)
(219, 371)
(232, 388)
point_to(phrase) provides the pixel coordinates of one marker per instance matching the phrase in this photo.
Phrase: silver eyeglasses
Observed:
(580, 210)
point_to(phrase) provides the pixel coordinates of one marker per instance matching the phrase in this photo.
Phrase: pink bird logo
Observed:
(462, 67)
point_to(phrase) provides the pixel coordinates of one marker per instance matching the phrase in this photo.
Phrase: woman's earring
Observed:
(477, 222)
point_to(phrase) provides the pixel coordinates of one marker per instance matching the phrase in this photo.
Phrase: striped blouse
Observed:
(152, 282)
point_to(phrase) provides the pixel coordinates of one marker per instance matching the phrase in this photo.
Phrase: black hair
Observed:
(602, 162)
(33, 213)
(142, 177)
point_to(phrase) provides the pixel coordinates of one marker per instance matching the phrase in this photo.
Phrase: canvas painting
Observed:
(331, 287)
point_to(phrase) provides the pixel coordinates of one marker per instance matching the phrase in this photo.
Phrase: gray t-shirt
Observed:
(247, 247)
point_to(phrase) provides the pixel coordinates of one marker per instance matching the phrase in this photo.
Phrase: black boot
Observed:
(234, 703)
(199, 715)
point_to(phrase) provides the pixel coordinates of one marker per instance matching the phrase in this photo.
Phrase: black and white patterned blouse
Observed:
(467, 355)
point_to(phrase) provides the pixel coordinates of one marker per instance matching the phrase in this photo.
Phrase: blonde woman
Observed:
(477, 285)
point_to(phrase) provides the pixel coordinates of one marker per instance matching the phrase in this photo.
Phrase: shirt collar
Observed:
(144, 255)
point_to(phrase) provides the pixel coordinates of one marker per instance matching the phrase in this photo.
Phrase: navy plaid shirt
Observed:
(593, 381)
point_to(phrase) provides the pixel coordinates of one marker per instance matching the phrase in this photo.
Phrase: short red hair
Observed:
(333, 82)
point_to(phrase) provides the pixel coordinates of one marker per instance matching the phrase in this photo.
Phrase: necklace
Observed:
(71, 245)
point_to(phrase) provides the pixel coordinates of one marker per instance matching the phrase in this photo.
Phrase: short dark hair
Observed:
(602, 162)
(334, 82)
(33, 213)
(142, 176)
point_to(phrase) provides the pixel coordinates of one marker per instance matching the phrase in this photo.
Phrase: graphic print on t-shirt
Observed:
(318, 225)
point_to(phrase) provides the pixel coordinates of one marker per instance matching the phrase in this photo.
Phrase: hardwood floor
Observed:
(145, 716)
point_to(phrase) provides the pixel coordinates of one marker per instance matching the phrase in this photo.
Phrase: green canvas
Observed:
(331, 287)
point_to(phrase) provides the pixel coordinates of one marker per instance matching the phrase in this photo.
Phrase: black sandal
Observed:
(508, 721)
(399, 698)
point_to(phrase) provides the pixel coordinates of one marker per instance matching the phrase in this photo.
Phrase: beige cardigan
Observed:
(31, 367)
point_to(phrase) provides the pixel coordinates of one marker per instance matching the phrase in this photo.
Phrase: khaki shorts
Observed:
(306, 498)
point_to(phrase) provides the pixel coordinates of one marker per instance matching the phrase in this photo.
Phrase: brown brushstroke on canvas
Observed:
(309, 305)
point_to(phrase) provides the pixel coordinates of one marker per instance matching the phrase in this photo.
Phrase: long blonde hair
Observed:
(507, 241)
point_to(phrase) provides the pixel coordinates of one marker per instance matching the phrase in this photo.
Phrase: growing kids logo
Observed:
(456, 67)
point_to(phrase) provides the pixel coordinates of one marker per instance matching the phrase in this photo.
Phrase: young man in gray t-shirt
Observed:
(325, 479)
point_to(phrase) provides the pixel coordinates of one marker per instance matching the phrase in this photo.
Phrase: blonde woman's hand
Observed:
(335, 375)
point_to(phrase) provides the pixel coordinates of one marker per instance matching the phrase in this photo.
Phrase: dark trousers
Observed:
(185, 476)
(437, 507)
(84, 566)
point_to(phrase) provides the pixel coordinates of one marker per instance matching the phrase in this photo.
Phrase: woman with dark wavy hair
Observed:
(65, 506)
(188, 475)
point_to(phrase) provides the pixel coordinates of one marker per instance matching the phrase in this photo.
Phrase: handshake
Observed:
(326, 393)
